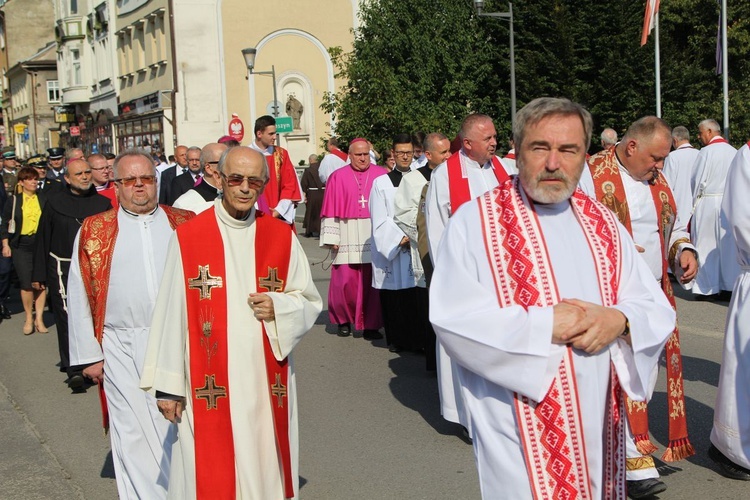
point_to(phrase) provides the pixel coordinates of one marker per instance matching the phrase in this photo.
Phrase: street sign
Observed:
(284, 124)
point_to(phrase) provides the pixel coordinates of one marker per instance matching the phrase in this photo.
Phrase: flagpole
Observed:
(725, 68)
(657, 65)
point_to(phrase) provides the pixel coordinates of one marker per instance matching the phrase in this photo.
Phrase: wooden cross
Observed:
(211, 392)
(271, 282)
(279, 390)
(362, 200)
(204, 282)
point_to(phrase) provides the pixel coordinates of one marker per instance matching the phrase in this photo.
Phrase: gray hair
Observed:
(646, 128)
(193, 148)
(223, 161)
(710, 124)
(609, 136)
(541, 108)
(680, 133)
(431, 139)
(133, 153)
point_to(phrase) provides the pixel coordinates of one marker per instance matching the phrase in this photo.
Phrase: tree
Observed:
(423, 65)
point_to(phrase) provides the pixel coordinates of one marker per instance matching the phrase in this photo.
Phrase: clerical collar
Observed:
(133, 214)
(230, 221)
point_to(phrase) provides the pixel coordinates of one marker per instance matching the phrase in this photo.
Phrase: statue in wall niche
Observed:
(294, 108)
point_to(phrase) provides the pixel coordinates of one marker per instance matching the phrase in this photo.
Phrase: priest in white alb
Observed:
(550, 341)
(708, 230)
(117, 265)
(236, 298)
(730, 436)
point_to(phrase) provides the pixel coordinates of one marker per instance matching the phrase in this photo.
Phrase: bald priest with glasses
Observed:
(236, 299)
(117, 264)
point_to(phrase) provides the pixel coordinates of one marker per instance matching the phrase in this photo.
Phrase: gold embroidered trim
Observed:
(673, 250)
(639, 463)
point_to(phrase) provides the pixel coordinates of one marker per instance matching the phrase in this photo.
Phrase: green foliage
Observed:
(425, 64)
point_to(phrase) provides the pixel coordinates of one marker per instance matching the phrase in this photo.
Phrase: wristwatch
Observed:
(626, 332)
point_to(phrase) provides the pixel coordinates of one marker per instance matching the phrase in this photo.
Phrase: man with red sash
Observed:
(468, 173)
(547, 348)
(236, 298)
(118, 261)
(708, 229)
(334, 160)
(628, 180)
(280, 197)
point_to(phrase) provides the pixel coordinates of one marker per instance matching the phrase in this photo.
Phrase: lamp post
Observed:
(479, 6)
(249, 55)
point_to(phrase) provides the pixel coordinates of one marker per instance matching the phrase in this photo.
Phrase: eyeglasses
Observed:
(237, 180)
(212, 163)
(403, 153)
(146, 180)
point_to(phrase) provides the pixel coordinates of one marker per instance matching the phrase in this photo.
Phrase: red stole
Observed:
(609, 190)
(282, 180)
(551, 430)
(96, 247)
(460, 192)
(205, 272)
(340, 154)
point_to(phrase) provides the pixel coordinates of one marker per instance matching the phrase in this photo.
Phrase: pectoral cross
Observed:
(279, 390)
(362, 200)
(271, 282)
(204, 282)
(211, 392)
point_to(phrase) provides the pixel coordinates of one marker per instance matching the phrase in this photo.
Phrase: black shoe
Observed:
(645, 488)
(4, 312)
(344, 330)
(372, 335)
(75, 381)
(727, 468)
(394, 348)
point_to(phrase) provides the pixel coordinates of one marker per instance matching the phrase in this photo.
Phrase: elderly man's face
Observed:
(180, 156)
(78, 176)
(135, 186)
(551, 158)
(359, 153)
(194, 160)
(242, 180)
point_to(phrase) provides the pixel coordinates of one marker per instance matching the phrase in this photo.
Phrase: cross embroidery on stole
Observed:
(211, 392)
(271, 282)
(204, 282)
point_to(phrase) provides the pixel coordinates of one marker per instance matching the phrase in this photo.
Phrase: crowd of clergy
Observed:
(155, 272)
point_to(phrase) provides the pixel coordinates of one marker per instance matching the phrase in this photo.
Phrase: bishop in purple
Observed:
(347, 231)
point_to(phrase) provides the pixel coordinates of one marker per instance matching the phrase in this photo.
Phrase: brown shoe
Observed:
(39, 325)
(28, 328)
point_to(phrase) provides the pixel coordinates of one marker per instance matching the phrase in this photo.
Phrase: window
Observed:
(74, 6)
(75, 56)
(53, 91)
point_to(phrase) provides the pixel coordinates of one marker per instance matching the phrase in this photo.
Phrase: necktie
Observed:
(198, 179)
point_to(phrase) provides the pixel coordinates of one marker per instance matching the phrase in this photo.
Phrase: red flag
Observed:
(652, 8)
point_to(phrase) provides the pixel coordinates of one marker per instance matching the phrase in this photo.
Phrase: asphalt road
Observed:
(370, 426)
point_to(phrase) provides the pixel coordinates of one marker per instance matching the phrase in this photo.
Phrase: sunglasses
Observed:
(237, 180)
(146, 180)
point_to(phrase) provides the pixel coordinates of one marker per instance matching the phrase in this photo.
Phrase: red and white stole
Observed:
(551, 429)
(609, 189)
(458, 180)
(96, 247)
(205, 273)
(340, 154)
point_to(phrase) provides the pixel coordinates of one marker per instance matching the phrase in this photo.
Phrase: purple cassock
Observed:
(351, 298)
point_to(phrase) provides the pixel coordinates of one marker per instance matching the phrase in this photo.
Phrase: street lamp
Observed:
(479, 6)
(249, 55)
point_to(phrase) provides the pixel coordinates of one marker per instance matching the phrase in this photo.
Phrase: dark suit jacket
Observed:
(54, 177)
(180, 185)
(165, 184)
(8, 211)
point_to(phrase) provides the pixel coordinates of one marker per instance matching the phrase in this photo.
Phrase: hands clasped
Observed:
(585, 325)
(262, 306)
